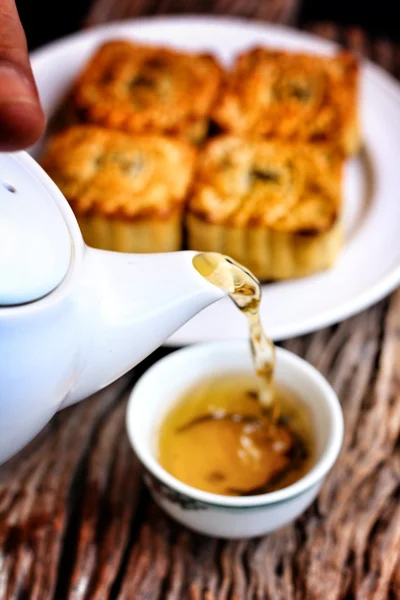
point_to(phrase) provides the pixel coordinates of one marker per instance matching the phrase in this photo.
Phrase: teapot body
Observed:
(39, 350)
(110, 312)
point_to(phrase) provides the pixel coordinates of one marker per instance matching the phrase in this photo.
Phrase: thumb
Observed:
(21, 117)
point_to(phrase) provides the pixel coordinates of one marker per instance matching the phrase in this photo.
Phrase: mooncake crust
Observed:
(273, 206)
(270, 255)
(249, 182)
(121, 235)
(117, 175)
(139, 88)
(292, 96)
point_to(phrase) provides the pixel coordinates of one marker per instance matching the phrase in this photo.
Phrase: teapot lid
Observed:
(35, 244)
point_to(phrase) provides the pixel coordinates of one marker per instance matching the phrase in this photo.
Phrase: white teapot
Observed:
(72, 318)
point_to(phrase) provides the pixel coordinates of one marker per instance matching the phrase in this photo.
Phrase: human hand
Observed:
(21, 117)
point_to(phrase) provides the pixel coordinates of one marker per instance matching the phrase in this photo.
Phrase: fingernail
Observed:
(14, 86)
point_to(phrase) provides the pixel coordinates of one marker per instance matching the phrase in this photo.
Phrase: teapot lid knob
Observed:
(35, 244)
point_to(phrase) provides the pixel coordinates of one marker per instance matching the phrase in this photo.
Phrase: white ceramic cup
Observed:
(212, 514)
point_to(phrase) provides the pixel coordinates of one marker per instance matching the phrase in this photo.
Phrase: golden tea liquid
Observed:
(219, 439)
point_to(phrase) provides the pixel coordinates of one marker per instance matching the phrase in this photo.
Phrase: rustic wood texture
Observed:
(76, 522)
(278, 11)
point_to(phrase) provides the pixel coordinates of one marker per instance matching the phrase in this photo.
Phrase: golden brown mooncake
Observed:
(273, 206)
(139, 88)
(292, 96)
(127, 191)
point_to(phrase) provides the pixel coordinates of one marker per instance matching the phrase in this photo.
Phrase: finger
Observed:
(21, 117)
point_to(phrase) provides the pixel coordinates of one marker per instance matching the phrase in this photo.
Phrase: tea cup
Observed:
(163, 385)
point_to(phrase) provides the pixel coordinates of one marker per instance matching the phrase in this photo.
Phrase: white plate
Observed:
(369, 266)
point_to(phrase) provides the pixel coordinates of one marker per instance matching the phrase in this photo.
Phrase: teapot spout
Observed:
(129, 304)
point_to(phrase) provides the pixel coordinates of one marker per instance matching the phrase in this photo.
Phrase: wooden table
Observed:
(77, 523)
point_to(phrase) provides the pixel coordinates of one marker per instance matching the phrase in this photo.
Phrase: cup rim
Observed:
(314, 476)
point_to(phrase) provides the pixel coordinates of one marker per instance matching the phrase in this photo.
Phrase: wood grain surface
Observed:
(278, 11)
(76, 522)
